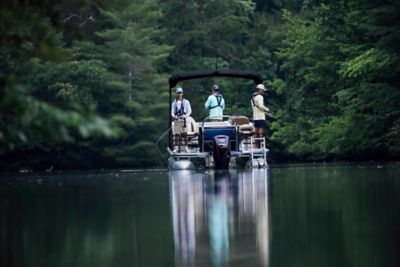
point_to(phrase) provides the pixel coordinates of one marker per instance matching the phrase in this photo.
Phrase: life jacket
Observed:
(181, 111)
(219, 101)
(253, 95)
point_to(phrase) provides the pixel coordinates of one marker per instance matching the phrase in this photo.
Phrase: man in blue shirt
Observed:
(215, 104)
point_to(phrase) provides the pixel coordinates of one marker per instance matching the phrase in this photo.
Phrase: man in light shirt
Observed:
(180, 111)
(259, 110)
(215, 104)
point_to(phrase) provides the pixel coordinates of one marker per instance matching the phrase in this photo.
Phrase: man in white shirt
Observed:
(180, 111)
(259, 110)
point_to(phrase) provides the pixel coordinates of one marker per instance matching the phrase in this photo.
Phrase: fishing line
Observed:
(158, 148)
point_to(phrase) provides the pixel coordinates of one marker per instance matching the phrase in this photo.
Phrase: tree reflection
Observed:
(86, 220)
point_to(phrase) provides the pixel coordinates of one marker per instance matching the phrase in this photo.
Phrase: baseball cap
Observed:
(261, 86)
(179, 90)
(215, 87)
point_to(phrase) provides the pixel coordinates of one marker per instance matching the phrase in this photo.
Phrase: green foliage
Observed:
(26, 121)
(44, 103)
(370, 63)
(341, 76)
(88, 82)
(205, 29)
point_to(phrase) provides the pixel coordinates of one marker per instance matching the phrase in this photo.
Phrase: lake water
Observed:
(309, 215)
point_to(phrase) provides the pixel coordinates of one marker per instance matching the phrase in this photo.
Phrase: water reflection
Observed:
(218, 201)
(183, 213)
(112, 219)
(220, 217)
(306, 216)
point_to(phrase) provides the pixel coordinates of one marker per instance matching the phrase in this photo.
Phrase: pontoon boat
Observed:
(219, 143)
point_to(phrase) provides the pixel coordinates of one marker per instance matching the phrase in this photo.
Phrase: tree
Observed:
(30, 45)
(341, 82)
(132, 49)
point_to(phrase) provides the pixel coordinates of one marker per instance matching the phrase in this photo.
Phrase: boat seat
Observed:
(238, 120)
(193, 127)
(192, 132)
(246, 129)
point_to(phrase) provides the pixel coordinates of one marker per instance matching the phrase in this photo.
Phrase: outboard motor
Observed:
(221, 152)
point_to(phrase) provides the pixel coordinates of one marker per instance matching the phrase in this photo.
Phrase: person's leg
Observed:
(176, 143)
(185, 147)
(261, 133)
(256, 136)
(174, 137)
(184, 137)
(178, 136)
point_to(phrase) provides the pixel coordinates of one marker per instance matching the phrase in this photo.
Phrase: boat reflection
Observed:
(220, 217)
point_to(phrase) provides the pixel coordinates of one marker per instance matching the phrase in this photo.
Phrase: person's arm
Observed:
(208, 103)
(259, 101)
(188, 108)
(173, 109)
(223, 103)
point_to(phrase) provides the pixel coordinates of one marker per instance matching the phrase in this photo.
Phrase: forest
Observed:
(84, 83)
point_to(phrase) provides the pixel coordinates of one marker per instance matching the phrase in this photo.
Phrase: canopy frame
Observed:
(250, 75)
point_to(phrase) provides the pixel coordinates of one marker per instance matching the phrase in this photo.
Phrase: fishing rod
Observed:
(158, 148)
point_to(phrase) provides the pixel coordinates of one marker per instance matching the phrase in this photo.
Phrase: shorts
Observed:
(179, 127)
(260, 124)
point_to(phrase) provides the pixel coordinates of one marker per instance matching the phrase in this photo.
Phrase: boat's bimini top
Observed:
(174, 79)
